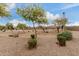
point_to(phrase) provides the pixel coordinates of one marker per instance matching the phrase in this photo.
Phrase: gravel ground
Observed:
(10, 46)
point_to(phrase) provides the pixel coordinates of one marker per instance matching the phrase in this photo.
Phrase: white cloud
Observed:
(73, 24)
(15, 22)
(10, 6)
(51, 16)
(46, 25)
(67, 6)
(57, 16)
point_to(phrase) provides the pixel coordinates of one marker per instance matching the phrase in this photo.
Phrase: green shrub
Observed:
(66, 34)
(32, 43)
(61, 40)
(33, 36)
(63, 37)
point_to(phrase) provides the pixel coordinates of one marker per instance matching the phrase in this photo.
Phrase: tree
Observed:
(21, 26)
(42, 21)
(57, 23)
(2, 27)
(61, 22)
(64, 21)
(3, 11)
(32, 13)
(9, 26)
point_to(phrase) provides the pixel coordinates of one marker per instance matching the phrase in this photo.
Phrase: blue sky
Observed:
(53, 10)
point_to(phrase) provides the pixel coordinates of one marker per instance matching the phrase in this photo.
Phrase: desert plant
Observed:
(32, 13)
(33, 36)
(43, 21)
(21, 26)
(66, 34)
(14, 35)
(9, 26)
(61, 22)
(63, 37)
(3, 11)
(61, 40)
(32, 43)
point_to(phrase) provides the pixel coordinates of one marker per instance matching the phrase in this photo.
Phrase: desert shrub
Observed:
(14, 35)
(32, 43)
(33, 36)
(63, 37)
(61, 40)
(66, 34)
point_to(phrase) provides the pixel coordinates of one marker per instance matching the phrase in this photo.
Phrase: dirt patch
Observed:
(46, 44)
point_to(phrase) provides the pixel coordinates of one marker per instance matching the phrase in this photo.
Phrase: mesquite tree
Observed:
(21, 26)
(3, 11)
(9, 26)
(32, 13)
(64, 21)
(61, 22)
(43, 21)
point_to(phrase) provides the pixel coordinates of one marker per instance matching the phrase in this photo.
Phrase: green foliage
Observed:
(42, 21)
(21, 26)
(32, 43)
(66, 34)
(33, 36)
(63, 37)
(32, 13)
(9, 26)
(3, 11)
(61, 40)
(2, 27)
(61, 21)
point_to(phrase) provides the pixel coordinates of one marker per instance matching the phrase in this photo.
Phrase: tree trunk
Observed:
(23, 30)
(42, 28)
(34, 29)
(58, 29)
(63, 27)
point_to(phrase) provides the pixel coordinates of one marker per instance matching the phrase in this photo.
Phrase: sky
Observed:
(53, 11)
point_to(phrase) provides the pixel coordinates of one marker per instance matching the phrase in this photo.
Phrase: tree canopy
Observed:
(32, 13)
(21, 26)
(9, 26)
(3, 11)
(62, 20)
